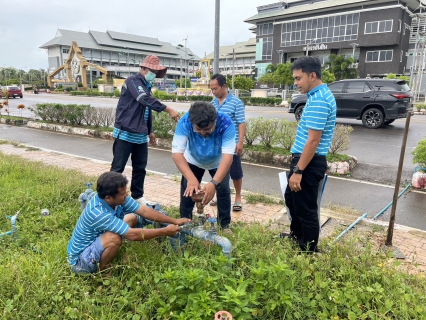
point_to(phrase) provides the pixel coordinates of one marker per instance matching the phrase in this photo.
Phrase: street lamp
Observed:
(353, 45)
(308, 44)
(183, 48)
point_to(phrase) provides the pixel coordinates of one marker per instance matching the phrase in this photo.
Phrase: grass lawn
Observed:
(265, 279)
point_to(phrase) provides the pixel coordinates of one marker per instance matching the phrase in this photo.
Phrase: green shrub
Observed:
(163, 126)
(419, 153)
(256, 101)
(68, 89)
(252, 130)
(285, 133)
(341, 138)
(267, 131)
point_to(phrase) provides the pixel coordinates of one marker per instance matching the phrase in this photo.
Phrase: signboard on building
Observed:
(194, 79)
(316, 47)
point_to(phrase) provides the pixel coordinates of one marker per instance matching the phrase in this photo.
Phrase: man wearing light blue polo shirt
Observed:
(313, 140)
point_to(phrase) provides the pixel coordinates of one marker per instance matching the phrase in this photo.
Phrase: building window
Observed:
(265, 29)
(323, 30)
(399, 26)
(267, 48)
(379, 56)
(65, 50)
(378, 26)
(402, 54)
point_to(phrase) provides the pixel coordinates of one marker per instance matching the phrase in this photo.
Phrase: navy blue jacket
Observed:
(134, 99)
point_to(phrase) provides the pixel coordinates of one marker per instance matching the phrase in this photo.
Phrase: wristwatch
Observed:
(216, 184)
(297, 170)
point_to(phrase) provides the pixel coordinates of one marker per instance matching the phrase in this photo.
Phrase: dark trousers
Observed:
(121, 150)
(303, 204)
(223, 194)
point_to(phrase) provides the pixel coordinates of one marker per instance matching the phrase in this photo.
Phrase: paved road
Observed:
(358, 195)
(377, 150)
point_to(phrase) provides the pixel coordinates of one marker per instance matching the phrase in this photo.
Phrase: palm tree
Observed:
(342, 67)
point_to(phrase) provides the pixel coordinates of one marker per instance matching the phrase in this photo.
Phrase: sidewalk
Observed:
(411, 242)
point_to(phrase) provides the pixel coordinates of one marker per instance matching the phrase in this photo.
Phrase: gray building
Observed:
(120, 53)
(244, 62)
(376, 33)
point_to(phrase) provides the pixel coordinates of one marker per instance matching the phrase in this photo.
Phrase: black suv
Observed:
(376, 102)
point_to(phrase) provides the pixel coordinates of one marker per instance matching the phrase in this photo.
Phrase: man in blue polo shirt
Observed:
(308, 166)
(106, 219)
(133, 123)
(227, 103)
(205, 140)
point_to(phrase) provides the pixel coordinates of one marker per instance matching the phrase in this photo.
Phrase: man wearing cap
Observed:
(133, 123)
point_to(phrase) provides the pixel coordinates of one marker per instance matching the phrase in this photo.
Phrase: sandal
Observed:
(238, 206)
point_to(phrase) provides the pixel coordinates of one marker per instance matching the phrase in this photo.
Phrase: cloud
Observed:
(35, 23)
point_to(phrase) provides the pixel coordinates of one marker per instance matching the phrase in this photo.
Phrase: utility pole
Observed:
(216, 37)
(233, 67)
(180, 82)
(353, 45)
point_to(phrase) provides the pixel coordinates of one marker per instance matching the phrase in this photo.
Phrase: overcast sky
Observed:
(26, 25)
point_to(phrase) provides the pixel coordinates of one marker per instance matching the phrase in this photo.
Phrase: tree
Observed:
(327, 76)
(270, 68)
(188, 83)
(241, 83)
(341, 67)
(282, 75)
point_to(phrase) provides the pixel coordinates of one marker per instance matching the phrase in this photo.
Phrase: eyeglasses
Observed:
(207, 130)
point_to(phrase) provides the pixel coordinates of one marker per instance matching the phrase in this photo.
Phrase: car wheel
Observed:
(388, 122)
(372, 118)
(298, 112)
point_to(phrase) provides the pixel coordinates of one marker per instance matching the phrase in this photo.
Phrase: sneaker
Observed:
(142, 201)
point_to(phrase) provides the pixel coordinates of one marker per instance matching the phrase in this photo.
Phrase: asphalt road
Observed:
(375, 147)
(357, 195)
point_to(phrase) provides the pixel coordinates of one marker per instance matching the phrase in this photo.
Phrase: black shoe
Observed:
(290, 236)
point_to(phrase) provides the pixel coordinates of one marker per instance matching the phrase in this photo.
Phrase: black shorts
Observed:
(236, 170)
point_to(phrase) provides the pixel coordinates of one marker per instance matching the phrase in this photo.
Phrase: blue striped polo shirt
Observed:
(234, 108)
(97, 218)
(318, 114)
(138, 138)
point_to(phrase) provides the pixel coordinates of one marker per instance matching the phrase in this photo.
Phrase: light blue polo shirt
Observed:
(318, 114)
(205, 153)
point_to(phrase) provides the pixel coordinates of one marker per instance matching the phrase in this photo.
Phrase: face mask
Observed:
(150, 76)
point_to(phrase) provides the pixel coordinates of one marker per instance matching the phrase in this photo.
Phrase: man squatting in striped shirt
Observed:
(110, 216)
(308, 166)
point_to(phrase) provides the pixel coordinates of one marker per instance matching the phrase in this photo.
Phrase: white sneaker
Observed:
(142, 201)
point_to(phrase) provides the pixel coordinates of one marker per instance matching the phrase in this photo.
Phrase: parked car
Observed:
(376, 102)
(274, 93)
(13, 91)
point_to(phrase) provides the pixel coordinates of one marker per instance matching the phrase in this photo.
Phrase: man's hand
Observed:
(239, 148)
(295, 182)
(193, 186)
(173, 114)
(152, 140)
(182, 221)
(210, 191)
(171, 230)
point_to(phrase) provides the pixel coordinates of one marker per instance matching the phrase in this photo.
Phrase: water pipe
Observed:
(390, 203)
(350, 227)
(13, 220)
(86, 196)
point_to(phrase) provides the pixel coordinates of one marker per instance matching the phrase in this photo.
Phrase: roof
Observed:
(243, 49)
(302, 7)
(117, 41)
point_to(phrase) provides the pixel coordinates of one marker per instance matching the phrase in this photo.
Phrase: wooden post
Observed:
(398, 181)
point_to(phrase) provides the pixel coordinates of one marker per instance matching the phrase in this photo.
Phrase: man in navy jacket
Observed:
(133, 123)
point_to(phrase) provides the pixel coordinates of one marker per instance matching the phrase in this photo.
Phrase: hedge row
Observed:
(74, 114)
(94, 93)
(254, 101)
